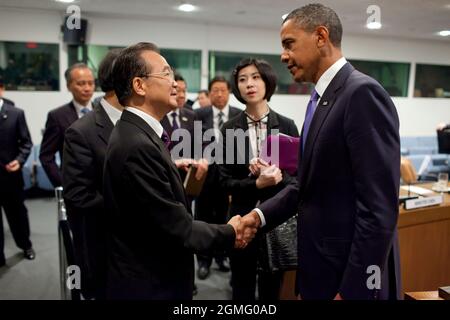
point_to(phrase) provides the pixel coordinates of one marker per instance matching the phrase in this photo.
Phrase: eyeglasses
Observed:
(164, 74)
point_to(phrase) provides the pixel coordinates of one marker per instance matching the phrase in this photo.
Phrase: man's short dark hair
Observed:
(128, 65)
(314, 15)
(218, 79)
(206, 92)
(105, 79)
(265, 70)
(178, 77)
(78, 65)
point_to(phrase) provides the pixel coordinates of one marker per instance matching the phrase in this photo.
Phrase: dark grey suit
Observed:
(346, 193)
(82, 172)
(15, 144)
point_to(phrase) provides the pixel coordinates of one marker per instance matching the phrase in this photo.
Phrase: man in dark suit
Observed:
(85, 145)
(212, 204)
(81, 83)
(180, 118)
(15, 147)
(150, 227)
(348, 180)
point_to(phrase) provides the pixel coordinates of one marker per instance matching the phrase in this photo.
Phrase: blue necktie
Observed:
(174, 122)
(84, 111)
(309, 115)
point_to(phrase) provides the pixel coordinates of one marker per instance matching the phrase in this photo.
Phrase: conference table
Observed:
(424, 237)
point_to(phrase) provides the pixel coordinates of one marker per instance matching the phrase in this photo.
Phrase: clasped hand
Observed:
(245, 228)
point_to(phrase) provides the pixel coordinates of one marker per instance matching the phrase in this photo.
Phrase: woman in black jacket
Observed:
(253, 82)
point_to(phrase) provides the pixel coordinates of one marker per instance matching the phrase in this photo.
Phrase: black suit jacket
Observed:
(58, 120)
(347, 193)
(85, 145)
(235, 178)
(15, 144)
(186, 120)
(206, 116)
(153, 235)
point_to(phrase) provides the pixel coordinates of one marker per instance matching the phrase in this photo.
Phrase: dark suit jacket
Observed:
(186, 120)
(15, 144)
(206, 116)
(234, 178)
(152, 232)
(346, 193)
(85, 145)
(58, 120)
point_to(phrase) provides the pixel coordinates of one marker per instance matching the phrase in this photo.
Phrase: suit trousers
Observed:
(211, 206)
(245, 272)
(12, 203)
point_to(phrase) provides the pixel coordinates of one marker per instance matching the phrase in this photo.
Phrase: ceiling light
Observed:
(444, 33)
(373, 25)
(187, 7)
(65, 1)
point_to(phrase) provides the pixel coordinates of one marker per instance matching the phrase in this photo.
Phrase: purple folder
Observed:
(281, 150)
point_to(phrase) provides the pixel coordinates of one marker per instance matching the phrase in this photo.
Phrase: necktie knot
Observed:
(84, 111)
(165, 138)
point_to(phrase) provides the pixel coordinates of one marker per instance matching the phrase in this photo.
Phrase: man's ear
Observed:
(323, 36)
(139, 86)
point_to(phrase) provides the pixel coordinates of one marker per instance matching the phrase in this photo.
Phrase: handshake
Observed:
(245, 228)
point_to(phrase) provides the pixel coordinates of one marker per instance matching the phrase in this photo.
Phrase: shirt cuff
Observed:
(261, 217)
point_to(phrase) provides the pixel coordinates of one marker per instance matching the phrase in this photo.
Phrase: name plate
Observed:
(423, 202)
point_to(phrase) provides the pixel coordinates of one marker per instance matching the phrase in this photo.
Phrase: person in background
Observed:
(15, 147)
(212, 204)
(85, 145)
(253, 82)
(203, 98)
(2, 92)
(81, 83)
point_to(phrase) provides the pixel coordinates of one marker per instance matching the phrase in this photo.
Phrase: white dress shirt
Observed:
(257, 133)
(152, 122)
(112, 112)
(321, 85)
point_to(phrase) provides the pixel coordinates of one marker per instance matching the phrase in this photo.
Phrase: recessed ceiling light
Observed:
(373, 25)
(65, 1)
(187, 7)
(444, 33)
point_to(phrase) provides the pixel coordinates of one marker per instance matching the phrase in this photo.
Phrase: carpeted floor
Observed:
(39, 279)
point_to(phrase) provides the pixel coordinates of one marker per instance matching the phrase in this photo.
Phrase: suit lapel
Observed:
(73, 115)
(324, 107)
(103, 123)
(140, 123)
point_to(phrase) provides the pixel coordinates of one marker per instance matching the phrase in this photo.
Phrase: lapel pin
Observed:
(5, 116)
(325, 103)
(184, 119)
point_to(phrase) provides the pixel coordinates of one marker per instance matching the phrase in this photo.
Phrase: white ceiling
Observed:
(412, 19)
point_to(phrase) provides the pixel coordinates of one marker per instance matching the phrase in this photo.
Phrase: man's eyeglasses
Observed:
(164, 74)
